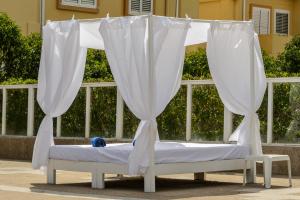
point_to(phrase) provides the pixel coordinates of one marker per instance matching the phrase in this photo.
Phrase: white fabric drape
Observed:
(228, 53)
(146, 91)
(91, 38)
(197, 33)
(60, 77)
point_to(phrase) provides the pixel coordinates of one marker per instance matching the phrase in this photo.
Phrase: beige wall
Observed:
(189, 7)
(160, 7)
(297, 17)
(238, 9)
(279, 42)
(170, 7)
(113, 7)
(217, 9)
(118, 7)
(232, 10)
(27, 12)
(275, 4)
(24, 12)
(275, 43)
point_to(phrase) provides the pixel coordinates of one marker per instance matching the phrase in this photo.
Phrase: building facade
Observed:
(276, 21)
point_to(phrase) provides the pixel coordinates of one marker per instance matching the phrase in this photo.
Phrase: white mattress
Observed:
(165, 152)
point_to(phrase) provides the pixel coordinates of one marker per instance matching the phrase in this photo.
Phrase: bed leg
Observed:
(251, 173)
(98, 180)
(149, 181)
(51, 173)
(199, 176)
(120, 176)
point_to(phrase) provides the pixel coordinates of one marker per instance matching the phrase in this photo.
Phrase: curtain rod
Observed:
(207, 20)
(181, 19)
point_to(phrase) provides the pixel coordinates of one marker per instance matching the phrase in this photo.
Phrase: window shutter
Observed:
(81, 3)
(146, 6)
(139, 7)
(261, 19)
(282, 23)
(88, 2)
(135, 6)
(71, 1)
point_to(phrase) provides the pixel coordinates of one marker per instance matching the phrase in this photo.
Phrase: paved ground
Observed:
(18, 181)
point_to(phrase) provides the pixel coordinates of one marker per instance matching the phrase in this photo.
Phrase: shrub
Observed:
(289, 59)
(196, 65)
(19, 55)
(97, 67)
(270, 63)
(31, 61)
(10, 46)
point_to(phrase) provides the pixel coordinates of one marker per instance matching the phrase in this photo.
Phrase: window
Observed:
(282, 22)
(78, 5)
(261, 19)
(140, 7)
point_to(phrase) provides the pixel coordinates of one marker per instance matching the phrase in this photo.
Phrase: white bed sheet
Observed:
(165, 152)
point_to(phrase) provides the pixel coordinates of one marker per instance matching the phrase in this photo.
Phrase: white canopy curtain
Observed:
(60, 77)
(147, 69)
(146, 58)
(229, 53)
(90, 36)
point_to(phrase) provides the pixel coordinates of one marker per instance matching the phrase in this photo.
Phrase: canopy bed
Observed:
(146, 55)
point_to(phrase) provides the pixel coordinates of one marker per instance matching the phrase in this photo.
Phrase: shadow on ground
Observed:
(166, 188)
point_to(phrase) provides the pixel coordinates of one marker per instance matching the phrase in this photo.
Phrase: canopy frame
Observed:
(150, 174)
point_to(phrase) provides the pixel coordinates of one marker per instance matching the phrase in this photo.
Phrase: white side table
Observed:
(267, 160)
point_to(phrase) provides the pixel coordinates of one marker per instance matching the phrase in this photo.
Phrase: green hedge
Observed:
(20, 56)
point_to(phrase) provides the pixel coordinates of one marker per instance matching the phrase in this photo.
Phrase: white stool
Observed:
(267, 160)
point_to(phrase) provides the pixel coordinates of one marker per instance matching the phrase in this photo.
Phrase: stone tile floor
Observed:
(19, 181)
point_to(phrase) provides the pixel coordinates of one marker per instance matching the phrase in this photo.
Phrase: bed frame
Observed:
(99, 169)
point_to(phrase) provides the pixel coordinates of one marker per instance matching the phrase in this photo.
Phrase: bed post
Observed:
(227, 125)
(98, 179)
(51, 172)
(149, 176)
(199, 176)
(251, 175)
(149, 180)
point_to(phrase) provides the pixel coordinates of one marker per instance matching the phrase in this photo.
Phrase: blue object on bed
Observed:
(98, 142)
(133, 142)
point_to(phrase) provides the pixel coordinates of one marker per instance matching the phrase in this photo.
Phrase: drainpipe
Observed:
(177, 8)
(244, 10)
(42, 15)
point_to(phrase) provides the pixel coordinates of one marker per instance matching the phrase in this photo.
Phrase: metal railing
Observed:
(228, 119)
